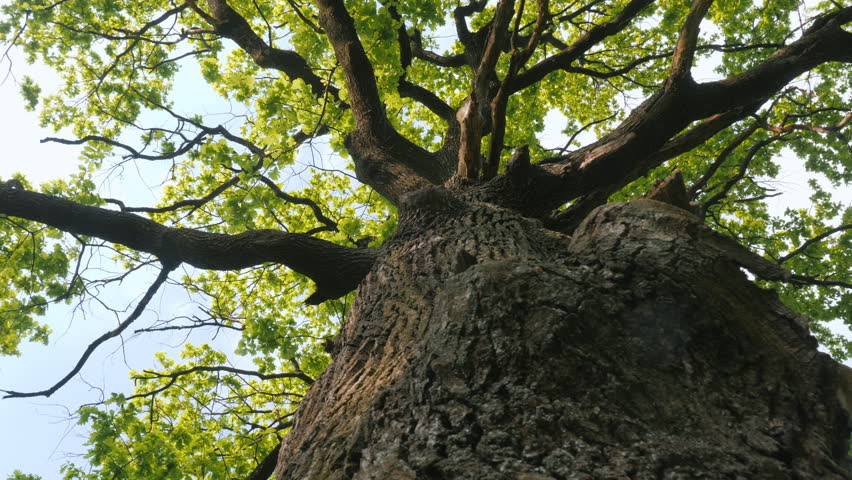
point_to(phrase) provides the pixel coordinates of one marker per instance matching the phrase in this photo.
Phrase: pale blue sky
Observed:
(40, 433)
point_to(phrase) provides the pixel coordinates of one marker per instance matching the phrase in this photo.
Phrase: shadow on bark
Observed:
(484, 346)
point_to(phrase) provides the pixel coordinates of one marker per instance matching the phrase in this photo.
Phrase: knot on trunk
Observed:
(436, 200)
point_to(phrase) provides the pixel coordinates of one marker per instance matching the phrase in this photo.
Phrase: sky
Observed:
(40, 434)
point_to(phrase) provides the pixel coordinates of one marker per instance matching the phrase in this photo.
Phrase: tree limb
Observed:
(231, 25)
(469, 115)
(335, 269)
(383, 158)
(816, 239)
(224, 368)
(566, 57)
(685, 50)
(140, 307)
(638, 143)
(500, 102)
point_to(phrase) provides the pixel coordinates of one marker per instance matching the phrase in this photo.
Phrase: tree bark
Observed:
(483, 345)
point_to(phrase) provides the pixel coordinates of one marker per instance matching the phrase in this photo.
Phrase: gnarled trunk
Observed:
(484, 346)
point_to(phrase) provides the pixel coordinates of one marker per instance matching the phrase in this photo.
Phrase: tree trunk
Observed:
(484, 346)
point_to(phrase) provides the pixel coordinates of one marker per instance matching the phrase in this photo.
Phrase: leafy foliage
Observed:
(124, 71)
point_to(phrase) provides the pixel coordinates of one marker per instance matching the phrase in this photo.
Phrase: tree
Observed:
(521, 310)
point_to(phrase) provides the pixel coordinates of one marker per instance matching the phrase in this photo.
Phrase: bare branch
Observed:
(816, 239)
(720, 159)
(140, 307)
(741, 171)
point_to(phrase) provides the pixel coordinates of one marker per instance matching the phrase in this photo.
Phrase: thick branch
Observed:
(685, 50)
(469, 115)
(500, 101)
(384, 159)
(335, 269)
(230, 24)
(358, 71)
(428, 99)
(640, 143)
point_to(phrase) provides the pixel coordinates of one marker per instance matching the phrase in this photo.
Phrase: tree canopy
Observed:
(270, 214)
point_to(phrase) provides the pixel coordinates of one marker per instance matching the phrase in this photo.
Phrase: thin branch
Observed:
(834, 130)
(583, 129)
(140, 307)
(194, 203)
(199, 324)
(417, 51)
(330, 225)
(150, 374)
(266, 467)
(304, 18)
(741, 171)
(720, 159)
(816, 239)
(133, 153)
(566, 57)
(808, 280)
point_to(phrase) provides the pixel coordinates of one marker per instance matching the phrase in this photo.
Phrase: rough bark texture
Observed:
(484, 346)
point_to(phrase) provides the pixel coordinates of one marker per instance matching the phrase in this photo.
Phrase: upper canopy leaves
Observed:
(610, 96)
